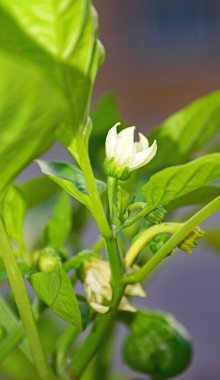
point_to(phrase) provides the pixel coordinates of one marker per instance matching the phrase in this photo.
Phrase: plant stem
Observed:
(144, 211)
(95, 338)
(173, 242)
(11, 341)
(63, 345)
(115, 261)
(24, 307)
(111, 187)
(146, 237)
(80, 152)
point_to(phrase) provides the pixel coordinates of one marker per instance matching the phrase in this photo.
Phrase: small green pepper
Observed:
(157, 345)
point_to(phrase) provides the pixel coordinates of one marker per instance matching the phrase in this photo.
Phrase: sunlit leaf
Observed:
(49, 55)
(177, 181)
(187, 131)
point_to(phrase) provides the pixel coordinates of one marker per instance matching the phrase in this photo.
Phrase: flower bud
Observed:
(156, 216)
(123, 155)
(48, 260)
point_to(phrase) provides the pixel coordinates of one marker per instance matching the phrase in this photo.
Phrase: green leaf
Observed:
(86, 311)
(199, 196)
(70, 178)
(58, 228)
(174, 182)
(187, 131)
(55, 290)
(38, 190)
(13, 212)
(49, 56)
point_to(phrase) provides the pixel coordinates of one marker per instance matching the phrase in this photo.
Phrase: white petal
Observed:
(126, 306)
(125, 148)
(110, 142)
(142, 158)
(99, 308)
(142, 144)
(135, 290)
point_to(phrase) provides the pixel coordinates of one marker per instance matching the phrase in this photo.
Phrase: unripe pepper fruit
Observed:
(157, 345)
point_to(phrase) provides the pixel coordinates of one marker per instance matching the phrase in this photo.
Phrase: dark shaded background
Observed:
(160, 55)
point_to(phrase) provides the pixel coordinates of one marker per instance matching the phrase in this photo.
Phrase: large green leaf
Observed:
(70, 178)
(186, 132)
(49, 55)
(55, 290)
(174, 182)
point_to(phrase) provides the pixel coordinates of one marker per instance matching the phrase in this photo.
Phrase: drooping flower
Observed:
(124, 155)
(98, 290)
(190, 241)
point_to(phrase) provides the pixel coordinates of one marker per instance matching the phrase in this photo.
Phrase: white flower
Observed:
(123, 155)
(98, 290)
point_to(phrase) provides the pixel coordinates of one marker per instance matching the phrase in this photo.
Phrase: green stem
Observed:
(9, 322)
(146, 237)
(146, 210)
(79, 151)
(173, 242)
(24, 307)
(111, 187)
(10, 342)
(63, 346)
(115, 261)
(95, 338)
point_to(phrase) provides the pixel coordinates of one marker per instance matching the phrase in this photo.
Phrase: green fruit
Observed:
(157, 345)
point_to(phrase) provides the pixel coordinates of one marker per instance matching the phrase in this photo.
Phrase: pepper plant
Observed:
(49, 57)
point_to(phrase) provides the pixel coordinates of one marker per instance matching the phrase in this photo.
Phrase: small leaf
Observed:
(174, 182)
(58, 228)
(70, 178)
(55, 290)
